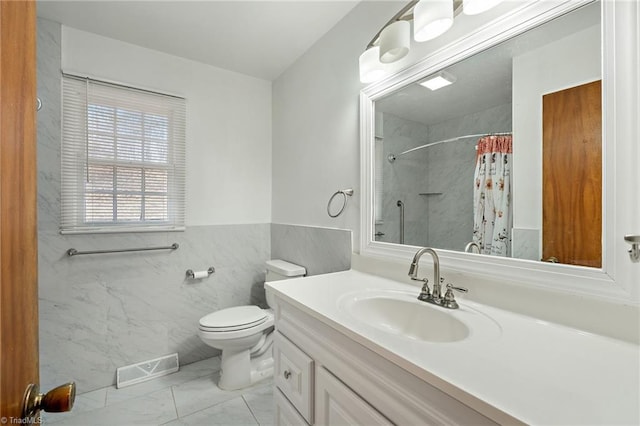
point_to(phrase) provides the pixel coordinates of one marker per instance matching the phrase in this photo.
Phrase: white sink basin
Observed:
(402, 314)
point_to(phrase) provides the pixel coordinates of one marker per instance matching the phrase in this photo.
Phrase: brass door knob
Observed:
(57, 400)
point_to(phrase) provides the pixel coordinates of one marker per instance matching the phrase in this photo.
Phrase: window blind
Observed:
(123, 158)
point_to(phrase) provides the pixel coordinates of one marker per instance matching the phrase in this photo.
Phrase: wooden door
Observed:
(572, 175)
(18, 233)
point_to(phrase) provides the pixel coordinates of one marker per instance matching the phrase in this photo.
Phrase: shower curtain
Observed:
(493, 216)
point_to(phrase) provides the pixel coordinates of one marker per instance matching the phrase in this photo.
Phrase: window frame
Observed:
(75, 176)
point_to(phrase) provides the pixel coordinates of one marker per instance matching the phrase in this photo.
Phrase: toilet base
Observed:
(240, 369)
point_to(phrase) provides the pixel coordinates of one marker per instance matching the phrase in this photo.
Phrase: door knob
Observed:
(56, 400)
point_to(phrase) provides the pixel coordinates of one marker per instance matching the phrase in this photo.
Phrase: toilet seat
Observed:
(236, 322)
(232, 328)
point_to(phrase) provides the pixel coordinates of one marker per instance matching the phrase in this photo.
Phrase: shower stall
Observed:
(427, 182)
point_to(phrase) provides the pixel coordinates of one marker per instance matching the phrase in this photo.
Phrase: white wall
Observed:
(228, 123)
(315, 123)
(566, 63)
(316, 145)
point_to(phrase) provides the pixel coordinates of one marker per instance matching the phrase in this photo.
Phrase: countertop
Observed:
(534, 371)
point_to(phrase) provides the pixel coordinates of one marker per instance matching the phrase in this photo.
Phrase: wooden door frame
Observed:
(19, 361)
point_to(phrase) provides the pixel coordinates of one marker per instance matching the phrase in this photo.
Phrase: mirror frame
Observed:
(615, 280)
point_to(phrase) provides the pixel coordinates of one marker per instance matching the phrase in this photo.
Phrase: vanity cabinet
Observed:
(324, 376)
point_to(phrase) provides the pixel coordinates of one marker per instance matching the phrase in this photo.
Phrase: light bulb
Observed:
(431, 18)
(395, 40)
(371, 69)
(474, 7)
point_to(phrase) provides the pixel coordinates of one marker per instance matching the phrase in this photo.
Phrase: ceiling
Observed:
(256, 38)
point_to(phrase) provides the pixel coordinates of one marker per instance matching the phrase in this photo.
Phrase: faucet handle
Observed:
(460, 289)
(425, 293)
(449, 299)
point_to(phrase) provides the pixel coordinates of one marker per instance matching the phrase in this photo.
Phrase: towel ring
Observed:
(345, 193)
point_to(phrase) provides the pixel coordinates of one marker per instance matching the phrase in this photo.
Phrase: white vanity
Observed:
(356, 348)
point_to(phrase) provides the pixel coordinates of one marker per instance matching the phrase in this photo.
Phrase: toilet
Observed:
(244, 334)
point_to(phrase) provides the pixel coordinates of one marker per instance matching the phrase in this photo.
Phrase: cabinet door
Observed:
(293, 375)
(286, 415)
(336, 404)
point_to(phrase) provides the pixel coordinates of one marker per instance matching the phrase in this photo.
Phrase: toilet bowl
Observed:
(244, 334)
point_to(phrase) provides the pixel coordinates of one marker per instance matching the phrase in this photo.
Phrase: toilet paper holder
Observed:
(200, 274)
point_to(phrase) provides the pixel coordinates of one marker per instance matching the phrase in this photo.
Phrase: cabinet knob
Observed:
(287, 374)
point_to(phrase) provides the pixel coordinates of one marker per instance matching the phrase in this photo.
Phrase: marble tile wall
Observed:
(320, 250)
(526, 243)
(402, 180)
(100, 312)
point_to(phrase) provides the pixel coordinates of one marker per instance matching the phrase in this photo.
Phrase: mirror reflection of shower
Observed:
(400, 204)
(430, 170)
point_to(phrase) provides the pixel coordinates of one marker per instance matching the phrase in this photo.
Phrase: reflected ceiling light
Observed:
(395, 40)
(438, 80)
(371, 69)
(474, 7)
(431, 18)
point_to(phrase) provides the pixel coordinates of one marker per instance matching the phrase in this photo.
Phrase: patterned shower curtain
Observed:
(492, 211)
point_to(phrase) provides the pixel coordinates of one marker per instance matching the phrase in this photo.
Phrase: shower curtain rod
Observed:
(393, 157)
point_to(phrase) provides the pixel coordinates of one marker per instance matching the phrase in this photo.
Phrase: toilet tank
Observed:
(278, 269)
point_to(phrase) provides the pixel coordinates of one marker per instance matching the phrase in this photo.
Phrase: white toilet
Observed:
(244, 334)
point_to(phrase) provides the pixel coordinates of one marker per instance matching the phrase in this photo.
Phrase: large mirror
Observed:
(506, 158)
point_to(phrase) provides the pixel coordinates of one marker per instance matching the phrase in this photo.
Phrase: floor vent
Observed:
(146, 370)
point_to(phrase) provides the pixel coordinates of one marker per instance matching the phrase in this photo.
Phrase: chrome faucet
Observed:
(469, 247)
(426, 295)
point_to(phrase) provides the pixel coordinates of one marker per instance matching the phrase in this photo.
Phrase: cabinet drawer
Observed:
(293, 373)
(286, 415)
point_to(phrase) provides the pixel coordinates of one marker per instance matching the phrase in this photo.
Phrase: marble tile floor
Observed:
(187, 397)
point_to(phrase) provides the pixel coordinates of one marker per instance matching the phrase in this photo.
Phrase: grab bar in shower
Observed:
(401, 205)
(74, 252)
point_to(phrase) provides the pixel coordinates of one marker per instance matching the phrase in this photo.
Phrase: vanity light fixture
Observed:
(475, 7)
(438, 80)
(430, 19)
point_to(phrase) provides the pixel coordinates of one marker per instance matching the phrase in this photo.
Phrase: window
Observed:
(123, 155)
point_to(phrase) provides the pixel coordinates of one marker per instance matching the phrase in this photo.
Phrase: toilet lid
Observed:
(234, 318)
